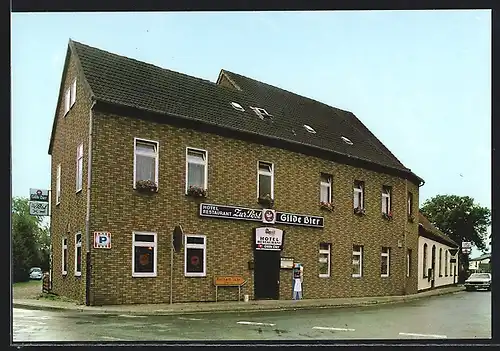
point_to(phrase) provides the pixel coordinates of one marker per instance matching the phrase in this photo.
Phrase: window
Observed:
(262, 113)
(265, 180)
(386, 199)
(424, 261)
(237, 106)
(325, 188)
(79, 167)
(358, 194)
(145, 160)
(410, 203)
(324, 260)
(144, 251)
(357, 261)
(195, 254)
(309, 129)
(408, 263)
(78, 254)
(445, 263)
(196, 168)
(58, 185)
(440, 263)
(346, 140)
(64, 259)
(384, 268)
(70, 97)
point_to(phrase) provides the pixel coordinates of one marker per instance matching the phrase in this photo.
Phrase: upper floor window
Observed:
(78, 254)
(359, 198)
(384, 269)
(58, 184)
(196, 169)
(324, 260)
(386, 199)
(79, 167)
(265, 180)
(70, 97)
(145, 161)
(410, 204)
(325, 188)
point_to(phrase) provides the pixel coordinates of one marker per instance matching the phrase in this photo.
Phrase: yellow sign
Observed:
(229, 281)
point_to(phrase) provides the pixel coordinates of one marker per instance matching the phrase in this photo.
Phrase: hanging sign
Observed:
(39, 208)
(39, 195)
(267, 238)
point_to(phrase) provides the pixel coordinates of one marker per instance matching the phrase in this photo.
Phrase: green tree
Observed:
(28, 240)
(460, 219)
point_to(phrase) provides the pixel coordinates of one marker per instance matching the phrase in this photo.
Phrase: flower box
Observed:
(359, 211)
(196, 191)
(327, 206)
(387, 216)
(266, 200)
(146, 186)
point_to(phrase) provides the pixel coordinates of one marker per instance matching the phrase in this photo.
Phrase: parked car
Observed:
(478, 281)
(36, 273)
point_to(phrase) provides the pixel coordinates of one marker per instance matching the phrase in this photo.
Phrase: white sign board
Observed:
(39, 208)
(39, 195)
(267, 238)
(466, 244)
(102, 240)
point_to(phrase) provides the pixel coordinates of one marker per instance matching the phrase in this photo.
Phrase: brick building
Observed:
(132, 147)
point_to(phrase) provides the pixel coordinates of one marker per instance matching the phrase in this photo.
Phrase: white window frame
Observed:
(360, 254)
(386, 198)
(146, 141)
(408, 262)
(358, 191)
(79, 168)
(382, 256)
(195, 246)
(410, 203)
(154, 245)
(78, 245)
(205, 163)
(326, 252)
(64, 255)
(259, 172)
(58, 184)
(72, 94)
(327, 185)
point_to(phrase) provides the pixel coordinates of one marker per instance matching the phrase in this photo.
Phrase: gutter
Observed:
(87, 218)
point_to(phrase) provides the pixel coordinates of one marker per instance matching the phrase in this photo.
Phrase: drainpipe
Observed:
(87, 218)
(405, 247)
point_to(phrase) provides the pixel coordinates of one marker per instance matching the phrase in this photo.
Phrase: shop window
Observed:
(385, 259)
(64, 258)
(78, 254)
(265, 180)
(144, 254)
(195, 254)
(145, 161)
(357, 261)
(196, 168)
(325, 188)
(324, 260)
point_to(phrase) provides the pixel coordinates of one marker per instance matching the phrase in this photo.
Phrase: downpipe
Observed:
(88, 262)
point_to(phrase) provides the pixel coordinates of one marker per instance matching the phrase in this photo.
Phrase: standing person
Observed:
(297, 289)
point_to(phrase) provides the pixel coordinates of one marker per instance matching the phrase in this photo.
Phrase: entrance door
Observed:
(433, 264)
(266, 274)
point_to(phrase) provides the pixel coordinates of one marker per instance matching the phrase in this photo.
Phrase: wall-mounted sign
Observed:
(286, 262)
(268, 216)
(39, 195)
(39, 208)
(248, 214)
(267, 238)
(102, 240)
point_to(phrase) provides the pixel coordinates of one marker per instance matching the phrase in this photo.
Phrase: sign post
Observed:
(39, 205)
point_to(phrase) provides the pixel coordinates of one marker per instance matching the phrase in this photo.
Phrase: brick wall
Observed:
(117, 208)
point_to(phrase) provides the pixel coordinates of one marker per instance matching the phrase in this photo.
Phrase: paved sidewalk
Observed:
(228, 306)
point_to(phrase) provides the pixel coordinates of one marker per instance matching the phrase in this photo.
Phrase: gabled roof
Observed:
(126, 82)
(427, 229)
(482, 257)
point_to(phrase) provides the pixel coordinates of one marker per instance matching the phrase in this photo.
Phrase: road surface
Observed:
(458, 315)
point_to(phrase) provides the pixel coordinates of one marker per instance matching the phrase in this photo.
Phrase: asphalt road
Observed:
(453, 316)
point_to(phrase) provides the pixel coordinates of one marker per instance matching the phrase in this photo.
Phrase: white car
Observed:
(36, 273)
(478, 281)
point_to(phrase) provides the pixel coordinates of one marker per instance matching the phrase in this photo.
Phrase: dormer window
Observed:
(237, 106)
(309, 129)
(346, 140)
(262, 113)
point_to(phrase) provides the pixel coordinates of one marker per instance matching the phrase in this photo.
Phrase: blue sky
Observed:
(419, 80)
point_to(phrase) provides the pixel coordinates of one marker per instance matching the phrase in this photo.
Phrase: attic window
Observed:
(346, 140)
(309, 129)
(237, 106)
(262, 113)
